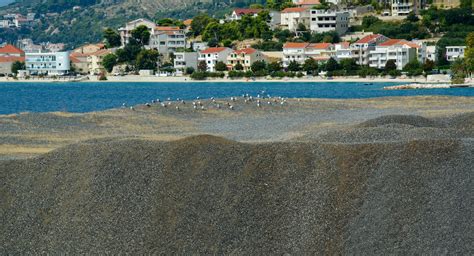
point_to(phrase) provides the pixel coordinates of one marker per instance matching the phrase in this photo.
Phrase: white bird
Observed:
(124, 105)
(163, 105)
(202, 108)
(148, 104)
(169, 98)
(132, 108)
(158, 100)
(218, 106)
(258, 104)
(152, 101)
(195, 107)
(231, 107)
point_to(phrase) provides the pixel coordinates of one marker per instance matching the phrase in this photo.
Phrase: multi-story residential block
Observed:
(213, 55)
(183, 60)
(446, 4)
(399, 50)
(431, 53)
(319, 51)
(292, 17)
(329, 20)
(405, 7)
(245, 57)
(294, 52)
(362, 47)
(94, 61)
(454, 52)
(50, 63)
(237, 14)
(168, 39)
(275, 19)
(164, 39)
(343, 51)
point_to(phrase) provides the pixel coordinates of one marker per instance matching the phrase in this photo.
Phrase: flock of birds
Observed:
(258, 101)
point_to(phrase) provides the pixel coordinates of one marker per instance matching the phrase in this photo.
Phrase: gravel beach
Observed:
(306, 176)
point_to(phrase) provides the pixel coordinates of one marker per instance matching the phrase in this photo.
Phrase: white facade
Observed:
(431, 53)
(329, 20)
(183, 60)
(53, 63)
(362, 47)
(292, 17)
(343, 51)
(164, 39)
(294, 52)
(402, 54)
(454, 52)
(404, 7)
(213, 55)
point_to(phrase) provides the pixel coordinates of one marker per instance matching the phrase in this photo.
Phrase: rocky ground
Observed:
(370, 177)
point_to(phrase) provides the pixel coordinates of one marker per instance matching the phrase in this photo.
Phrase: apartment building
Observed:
(362, 47)
(213, 55)
(294, 52)
(245, 57)
(431, 53)
(319, 51)
(50, 63)
(8, 55)
(183, 60)
(94, 61)
(329, 20)
(454, 52)
(164, 39)
(399, 50)
(343, 51)
(405, 7)
(292, 17)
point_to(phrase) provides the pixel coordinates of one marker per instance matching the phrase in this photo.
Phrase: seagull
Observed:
(231, 107)
(195, 107)
(218, 106)
(148, 104)
(177, 107)
(132, 108)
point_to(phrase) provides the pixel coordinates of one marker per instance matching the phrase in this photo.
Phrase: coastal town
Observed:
(170, 48)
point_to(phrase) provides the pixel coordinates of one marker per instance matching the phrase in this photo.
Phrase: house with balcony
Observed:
(49, 63)
(343, 51)
(183, 60)
(213, 55)
(399, 50)
(245, 57)
(455, 52)
(292, 17)
(405, 7)
(362, 47)
(320, 51)
(329, 20)
(94, 61)
(294, 52)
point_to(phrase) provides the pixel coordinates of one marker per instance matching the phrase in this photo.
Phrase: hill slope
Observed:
(208, 195)
(86, 25)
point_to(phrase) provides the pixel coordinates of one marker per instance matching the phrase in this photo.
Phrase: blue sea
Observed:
(87, 97)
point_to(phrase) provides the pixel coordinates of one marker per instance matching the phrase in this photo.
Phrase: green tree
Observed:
(258, 66)
(390, 65)
(332, 65)
(469, 53)
(18, 65)
(239, 67)
(274, 67)
(411, 17)
(294, 66)
(199, 23)
(109, 61)
(147, 59)
(141, 35)
(428, 65)
(202, 66)
(458, 71)
(310, 66)
(112, 38)
(189, 70)
(368, 21)
(129, 53)
(413, 68)
(221, 66)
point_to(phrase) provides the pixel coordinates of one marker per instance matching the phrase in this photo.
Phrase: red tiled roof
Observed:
(295, 45)
(294, 9)
(101, 52)
(11, 49)
(161, 28)
(74, 59)
(241, 11)
(188, 22)
(368, 39)
(345, 44)
(391, 42)
(11, 59)
(246, 51)
(214, 50)
(308, 2)
(319, 45)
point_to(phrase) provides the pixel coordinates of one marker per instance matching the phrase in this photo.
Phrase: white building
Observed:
(294, 52)
(329, 20)
(238, 13)
(454, 52)
(292, 17)
(213, 55)
(362, 47)
(404, 7)
(164, 39)
(399, 50)
(343, 51)
(51, 63)
(184, 60)
(432, 53)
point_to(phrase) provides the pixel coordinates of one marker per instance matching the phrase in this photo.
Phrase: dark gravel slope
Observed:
(207, 195)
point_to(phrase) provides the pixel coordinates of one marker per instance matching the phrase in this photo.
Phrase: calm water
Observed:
(86, 97)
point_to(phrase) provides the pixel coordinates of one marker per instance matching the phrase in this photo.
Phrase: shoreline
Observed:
(154, 79)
